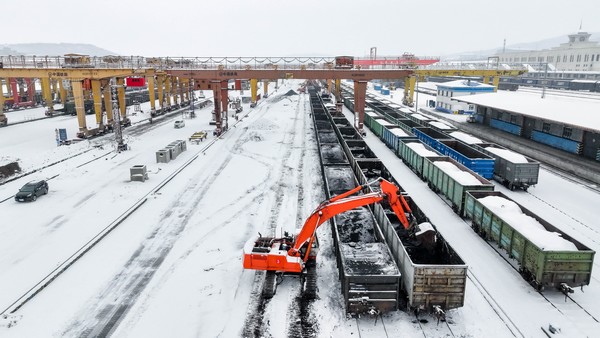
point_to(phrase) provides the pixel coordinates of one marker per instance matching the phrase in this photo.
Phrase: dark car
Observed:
(31, 191)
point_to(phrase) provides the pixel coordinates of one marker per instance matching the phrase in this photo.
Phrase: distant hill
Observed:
(53, 49)
(536, 45)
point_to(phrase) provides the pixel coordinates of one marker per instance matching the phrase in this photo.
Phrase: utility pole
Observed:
(544, 81)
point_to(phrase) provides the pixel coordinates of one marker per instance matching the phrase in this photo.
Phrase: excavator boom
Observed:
(290, 254)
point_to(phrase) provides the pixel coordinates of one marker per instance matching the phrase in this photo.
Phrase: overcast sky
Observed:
(294, 28)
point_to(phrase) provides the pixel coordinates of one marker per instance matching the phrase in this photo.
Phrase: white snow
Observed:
(440, 125)
(184, 244)
(398, 132)
(420, 149)
(574, 111)
(462, 177)
(420, 117)
(465, 137)
(528, 226)
(508, 155)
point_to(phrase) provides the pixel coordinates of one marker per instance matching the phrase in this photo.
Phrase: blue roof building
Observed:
(448, 90)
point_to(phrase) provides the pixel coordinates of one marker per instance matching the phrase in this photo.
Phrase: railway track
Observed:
(555, 298)
(61, 267)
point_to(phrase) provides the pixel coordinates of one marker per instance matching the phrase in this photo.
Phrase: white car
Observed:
(179, 124)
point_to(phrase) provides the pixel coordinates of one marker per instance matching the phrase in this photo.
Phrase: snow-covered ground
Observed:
(173, 268)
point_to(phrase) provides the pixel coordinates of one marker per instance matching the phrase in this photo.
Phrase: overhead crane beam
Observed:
(420, 74)
(307, 74)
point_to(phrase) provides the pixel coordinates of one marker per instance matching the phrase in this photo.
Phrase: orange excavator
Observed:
(297, 255)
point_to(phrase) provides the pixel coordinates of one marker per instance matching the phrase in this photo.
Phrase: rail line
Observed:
(546, 297)
(86, 247)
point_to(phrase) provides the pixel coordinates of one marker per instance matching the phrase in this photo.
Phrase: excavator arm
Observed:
(291, 254)
(342, 203)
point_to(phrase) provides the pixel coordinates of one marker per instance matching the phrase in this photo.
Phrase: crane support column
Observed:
(47, 94)
(338, 90)
(409, 90)
(265, 88)
(185, 89)
(225, 103)
(63, 92)
(217, 98)
(495, 82)
(161, 93)
(168, 92)
(329, 86)
(253, 90)
(121, 92)
(2, 117)
(97, 95)
(15, 90)
(175, 91)
(360, 92)
(77, 88)
(150, 81)
(107, 101)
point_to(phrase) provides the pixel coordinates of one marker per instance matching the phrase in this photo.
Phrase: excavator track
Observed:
(270, 285)
(310, 281)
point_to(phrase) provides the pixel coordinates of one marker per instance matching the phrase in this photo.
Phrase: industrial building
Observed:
(448, 91)
(552, 120)
(569, 60)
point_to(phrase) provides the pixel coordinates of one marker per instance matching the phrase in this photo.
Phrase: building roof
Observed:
(581, 113)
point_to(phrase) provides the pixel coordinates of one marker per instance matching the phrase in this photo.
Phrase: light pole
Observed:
(544, 81)
(417, 96)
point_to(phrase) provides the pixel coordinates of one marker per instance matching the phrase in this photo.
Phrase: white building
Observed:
(448, 90)
(578, 55)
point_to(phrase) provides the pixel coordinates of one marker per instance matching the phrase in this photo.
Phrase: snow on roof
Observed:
(440, 125)
(508, 155)
(420, 149)
(465, 137)
(528, 226)
(573, 111)
(464, 84)
(460, 176)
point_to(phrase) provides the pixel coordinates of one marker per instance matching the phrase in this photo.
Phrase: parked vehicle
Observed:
(179, 124)
(31, 191)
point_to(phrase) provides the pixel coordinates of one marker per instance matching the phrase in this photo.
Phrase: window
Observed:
(579, 58)
(564, 58)
(513, 119)
(567, 132)
(546, 127)
(586, 58)
(571, 58)
(550, 58)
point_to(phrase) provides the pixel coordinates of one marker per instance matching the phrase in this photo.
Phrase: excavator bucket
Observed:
(426, 234)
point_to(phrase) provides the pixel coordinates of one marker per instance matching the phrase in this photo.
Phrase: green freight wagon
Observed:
(542, 267)
(450, 178)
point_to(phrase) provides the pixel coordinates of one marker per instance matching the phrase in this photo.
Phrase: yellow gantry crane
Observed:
(420, 74)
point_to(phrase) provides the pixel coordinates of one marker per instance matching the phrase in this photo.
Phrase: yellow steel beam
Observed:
(63, 92)
(106, 90)
(308, 74)
(69, 73)
(265, 87)
(253, 90)
(495, 82)
(121, 92)
(79, 106)
(150, 80)
(97, 95)
(168, 91)
(47, 93)
(467, 72)
(2, 98)
(161, 81)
